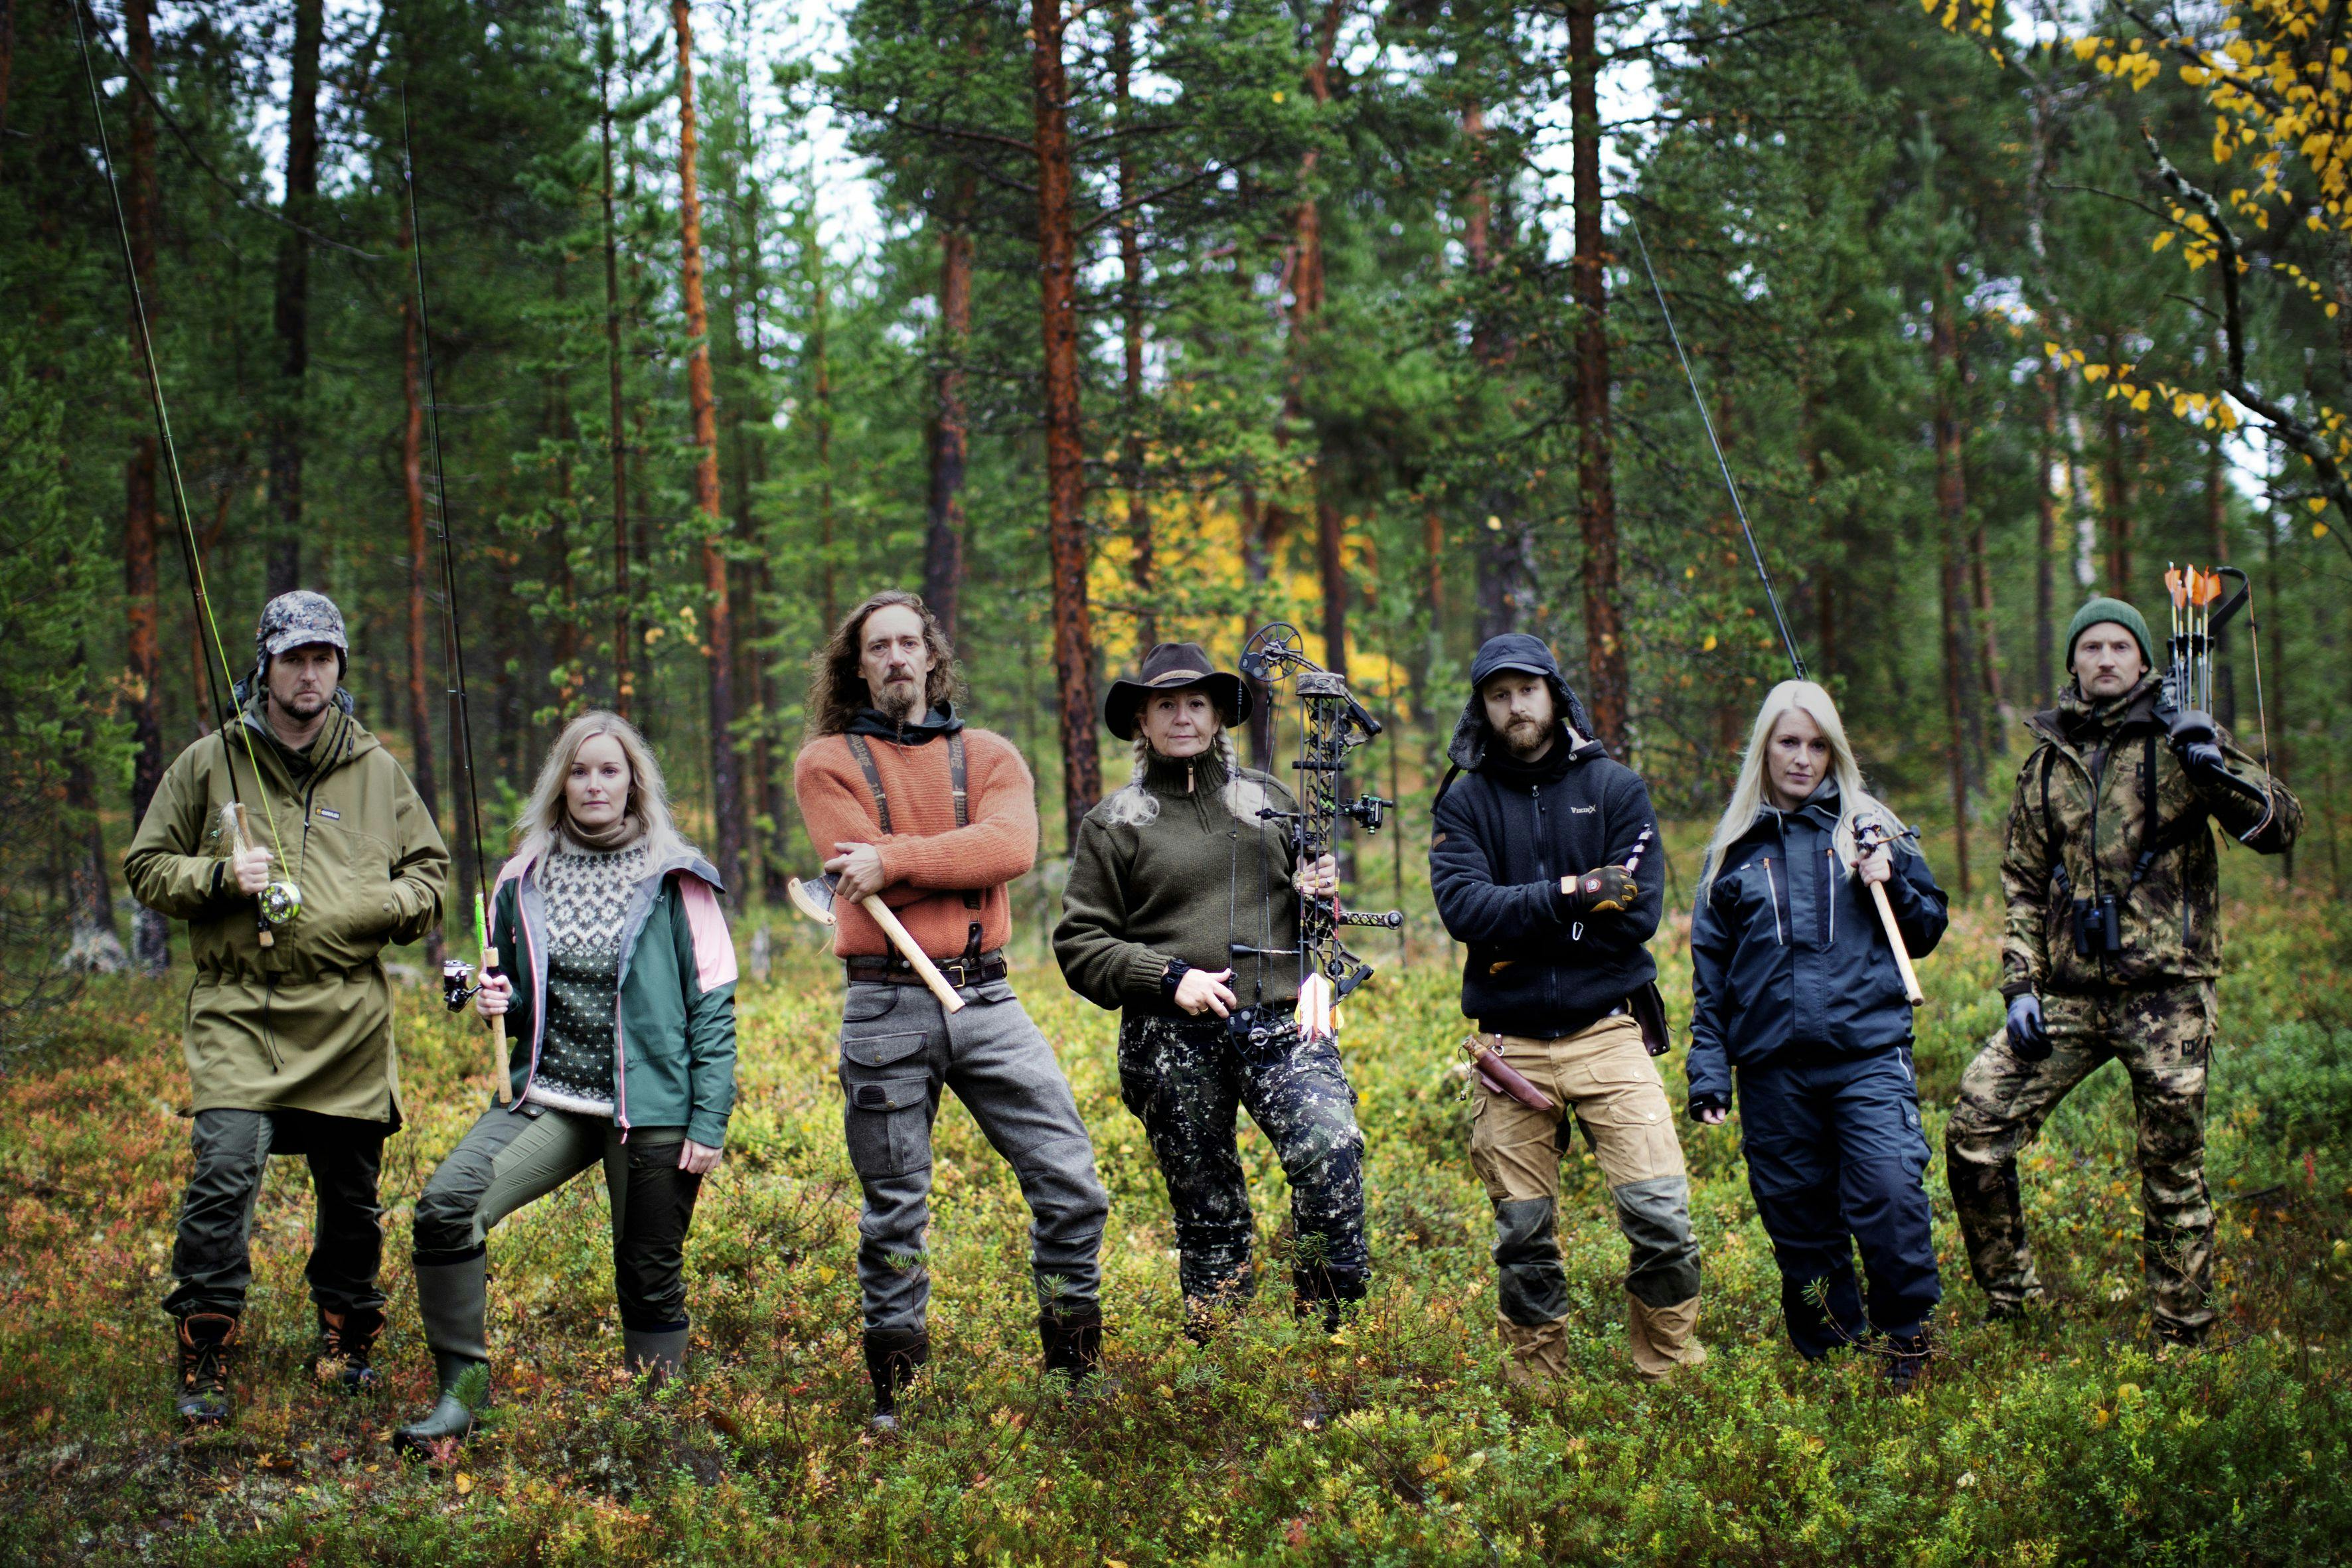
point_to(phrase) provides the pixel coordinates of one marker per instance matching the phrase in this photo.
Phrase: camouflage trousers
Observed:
(2163, 1035)
(1186, 1082)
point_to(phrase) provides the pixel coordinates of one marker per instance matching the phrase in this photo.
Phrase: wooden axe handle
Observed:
(498, 1069)
(911, 951)
(1911, 992)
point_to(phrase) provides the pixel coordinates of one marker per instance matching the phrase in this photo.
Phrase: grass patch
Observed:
(2061, 1443)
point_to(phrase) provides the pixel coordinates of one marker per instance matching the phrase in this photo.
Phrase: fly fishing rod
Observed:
(454, 973)
(281, 899)
(1723, 464)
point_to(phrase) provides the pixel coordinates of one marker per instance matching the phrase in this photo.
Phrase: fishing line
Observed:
(1796, 660)
(453, 642)
(224, 715)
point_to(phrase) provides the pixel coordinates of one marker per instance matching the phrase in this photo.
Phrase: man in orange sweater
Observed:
(937, 818)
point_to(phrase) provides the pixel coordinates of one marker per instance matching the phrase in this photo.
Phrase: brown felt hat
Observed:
(1174, 666)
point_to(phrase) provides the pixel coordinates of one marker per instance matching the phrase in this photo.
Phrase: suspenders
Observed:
(957, 782)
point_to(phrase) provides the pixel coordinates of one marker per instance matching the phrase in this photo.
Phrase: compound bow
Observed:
(1332, 723)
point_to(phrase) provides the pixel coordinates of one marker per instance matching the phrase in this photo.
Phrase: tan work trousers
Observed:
(1604, 1078)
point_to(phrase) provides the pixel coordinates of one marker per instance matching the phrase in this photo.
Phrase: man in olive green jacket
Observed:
(288, 1034)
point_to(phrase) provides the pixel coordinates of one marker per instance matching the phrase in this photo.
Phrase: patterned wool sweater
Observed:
(585, 895)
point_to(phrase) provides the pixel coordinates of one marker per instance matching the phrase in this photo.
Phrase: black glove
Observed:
(1699, 1102)
(1172, 977)
(1605, 889)
(2028, 1036)
(2195, 740)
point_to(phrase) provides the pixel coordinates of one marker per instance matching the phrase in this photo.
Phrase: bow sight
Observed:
(1332, 723)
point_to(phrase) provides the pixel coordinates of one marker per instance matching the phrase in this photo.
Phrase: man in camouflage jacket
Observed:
(2112, 949)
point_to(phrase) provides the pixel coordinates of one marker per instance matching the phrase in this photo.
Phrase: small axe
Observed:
(1870, 834)
(816, 900)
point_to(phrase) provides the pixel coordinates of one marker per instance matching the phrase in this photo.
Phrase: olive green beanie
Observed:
(2103, 608)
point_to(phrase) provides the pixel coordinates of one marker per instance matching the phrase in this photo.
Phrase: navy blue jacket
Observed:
(1505, 834)
(1787, 949)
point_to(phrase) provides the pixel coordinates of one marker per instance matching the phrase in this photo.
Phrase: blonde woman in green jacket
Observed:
(619, 997)
(288, 1032)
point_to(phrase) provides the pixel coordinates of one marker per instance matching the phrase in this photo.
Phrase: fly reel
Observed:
(281, 901)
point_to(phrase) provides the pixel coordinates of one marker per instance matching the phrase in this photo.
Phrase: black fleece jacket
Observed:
(1505, 834)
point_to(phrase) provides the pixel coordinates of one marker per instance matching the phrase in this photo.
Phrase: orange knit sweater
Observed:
(930, 862)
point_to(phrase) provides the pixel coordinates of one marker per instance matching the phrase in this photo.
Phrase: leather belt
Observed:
(959, 972)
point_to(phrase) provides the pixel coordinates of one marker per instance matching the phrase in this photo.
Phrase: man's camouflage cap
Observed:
(297, 620)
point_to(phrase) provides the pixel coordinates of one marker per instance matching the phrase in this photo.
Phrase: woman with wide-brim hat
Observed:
(1182, 913)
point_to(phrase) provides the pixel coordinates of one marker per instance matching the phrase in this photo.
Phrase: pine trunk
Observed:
(623, 598)
(1951, 507)
(291, 313)
(1307, 295)
(1141, 567)
(95, 948)
(821, 396)
(2119, 499)
(1596, 500)
(950, 431)
(2045, 541)
(719, 633)
(1065, 477)
(150, 933)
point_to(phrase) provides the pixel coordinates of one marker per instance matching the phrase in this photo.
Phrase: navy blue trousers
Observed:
(1836, 1160)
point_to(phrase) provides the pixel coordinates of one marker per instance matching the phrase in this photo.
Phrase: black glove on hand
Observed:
(2195, 740)
(1605, 889)
(2028, 1036)
(1699, 1102)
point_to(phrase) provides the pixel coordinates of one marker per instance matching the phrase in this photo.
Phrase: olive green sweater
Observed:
(1183, 885)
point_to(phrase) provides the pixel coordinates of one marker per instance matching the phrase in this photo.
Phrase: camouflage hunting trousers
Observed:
(2163, 1035)
(1186, 1081)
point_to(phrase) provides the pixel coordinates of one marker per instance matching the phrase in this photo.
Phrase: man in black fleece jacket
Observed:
(1530, 861)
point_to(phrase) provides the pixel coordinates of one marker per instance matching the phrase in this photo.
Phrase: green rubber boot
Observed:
(453, 1300)
(659, 1355)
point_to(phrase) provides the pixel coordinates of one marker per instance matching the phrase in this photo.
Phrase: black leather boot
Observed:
(346, 1342)
(893, 1356)
(1333, 1294)
(207, 1343)
(1073, 1346)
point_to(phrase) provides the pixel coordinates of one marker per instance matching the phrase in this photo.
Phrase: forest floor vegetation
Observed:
(2061, 1440)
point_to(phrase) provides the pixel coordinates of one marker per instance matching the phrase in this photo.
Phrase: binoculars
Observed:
(2098, 926)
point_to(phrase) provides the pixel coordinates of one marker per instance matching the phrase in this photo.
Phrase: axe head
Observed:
(814, 900)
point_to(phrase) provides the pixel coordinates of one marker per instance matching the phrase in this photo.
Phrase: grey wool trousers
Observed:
(899, 1049)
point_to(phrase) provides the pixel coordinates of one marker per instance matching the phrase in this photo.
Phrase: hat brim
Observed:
(1231, 694)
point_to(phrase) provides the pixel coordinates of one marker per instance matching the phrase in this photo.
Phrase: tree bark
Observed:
(291, 313)
(719, 633)
(95, 948)
(2045, 541)
(2119, 500)
(1141, 566)
(1066, 479)
(951, 422)
(1951, 507)
(150, 933)
(420, 559)
(624, 608)
(821, 398)
(1307, 297)
(1605, 692)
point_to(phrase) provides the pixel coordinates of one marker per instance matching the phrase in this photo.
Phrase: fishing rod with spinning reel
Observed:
(1332, 723)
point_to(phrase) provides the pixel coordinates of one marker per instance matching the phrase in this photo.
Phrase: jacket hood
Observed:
(1514, 650)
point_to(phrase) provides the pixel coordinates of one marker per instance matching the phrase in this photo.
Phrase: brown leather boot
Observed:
(207, 1343)
(1665, 1338)
(1533, 1356)
(346, 1341)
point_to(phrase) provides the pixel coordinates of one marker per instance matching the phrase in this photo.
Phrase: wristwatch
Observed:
(1173, 976)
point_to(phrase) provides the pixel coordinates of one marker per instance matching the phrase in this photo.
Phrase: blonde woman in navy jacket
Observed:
(1795, 987)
